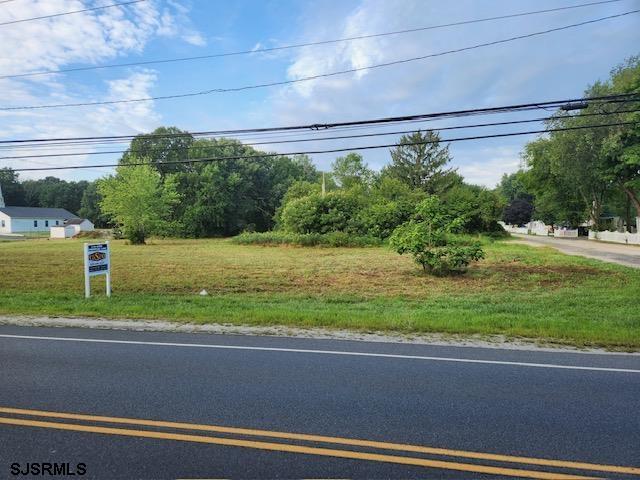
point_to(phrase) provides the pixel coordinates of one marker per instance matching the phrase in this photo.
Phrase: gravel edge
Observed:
(477, 341)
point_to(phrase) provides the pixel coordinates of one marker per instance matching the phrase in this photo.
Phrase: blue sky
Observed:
(558, 65)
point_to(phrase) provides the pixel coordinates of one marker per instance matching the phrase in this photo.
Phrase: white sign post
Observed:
(97, 261)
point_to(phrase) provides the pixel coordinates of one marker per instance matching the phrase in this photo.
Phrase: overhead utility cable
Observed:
(333, 150)
(43, 17)
(603, 99)
(306, 44)
(319, 76)
(300, 140)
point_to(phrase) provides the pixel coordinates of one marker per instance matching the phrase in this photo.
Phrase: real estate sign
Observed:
(97, 261)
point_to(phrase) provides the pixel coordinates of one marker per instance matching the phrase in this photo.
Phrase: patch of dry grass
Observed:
(517, 290)
(187, 266)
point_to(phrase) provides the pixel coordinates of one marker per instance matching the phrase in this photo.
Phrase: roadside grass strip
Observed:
(41, 421)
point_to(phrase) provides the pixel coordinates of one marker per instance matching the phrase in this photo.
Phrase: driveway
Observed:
(628, 255)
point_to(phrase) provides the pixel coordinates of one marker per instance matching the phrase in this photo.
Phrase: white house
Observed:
(71, 228)
(80, 224)
(32, 219)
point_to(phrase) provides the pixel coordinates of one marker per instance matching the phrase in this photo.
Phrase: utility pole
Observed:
(324, 188)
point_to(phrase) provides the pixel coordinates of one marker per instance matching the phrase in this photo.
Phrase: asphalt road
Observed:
(437, 412)
(628, 255)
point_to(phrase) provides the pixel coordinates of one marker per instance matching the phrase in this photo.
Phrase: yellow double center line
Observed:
(292, 448)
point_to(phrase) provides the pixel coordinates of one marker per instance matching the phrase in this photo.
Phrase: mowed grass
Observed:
(517, 291)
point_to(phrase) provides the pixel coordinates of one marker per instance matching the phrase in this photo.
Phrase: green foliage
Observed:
(164, 144)
(557, 199)
(380, 219)
(514, 186)
(12, 189)
(140, 201)
(578, 173)
(478, 207)
(518, 212)
(90, 206)
(54, 193)
(378, 210)
(389, 188)
(335, 212)
(352, 171)
(298, 189)
(428, 238)
(419, 161)
(332, 239)
(228, 196)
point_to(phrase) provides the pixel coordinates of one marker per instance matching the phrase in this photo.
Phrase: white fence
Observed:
(540, 230)
(562, 233)
(512, 229)
(616, 237)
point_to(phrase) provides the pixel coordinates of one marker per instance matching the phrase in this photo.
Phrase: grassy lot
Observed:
(518, 291)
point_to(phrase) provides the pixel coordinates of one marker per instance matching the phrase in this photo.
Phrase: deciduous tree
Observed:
(138, 200)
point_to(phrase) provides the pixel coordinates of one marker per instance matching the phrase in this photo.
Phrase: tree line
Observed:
(80, 198)
(579, 175)
(256, 191)
(567, 177)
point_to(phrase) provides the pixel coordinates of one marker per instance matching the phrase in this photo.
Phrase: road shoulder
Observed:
(435, 339)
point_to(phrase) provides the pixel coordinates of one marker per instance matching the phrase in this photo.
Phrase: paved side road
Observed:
(168, 405)
(628, 255)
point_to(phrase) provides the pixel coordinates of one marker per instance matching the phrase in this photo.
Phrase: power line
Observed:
(319, 76)
(603, 99)
(301, 140)
(12, 22)
(333, 150)
(306, 44)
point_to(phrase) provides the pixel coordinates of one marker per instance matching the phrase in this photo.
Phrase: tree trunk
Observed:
(594, 212)
(633, 197)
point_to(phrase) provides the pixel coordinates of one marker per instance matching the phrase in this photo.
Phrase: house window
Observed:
(35, 223)
(2, 223)
(46, 223)
(57, 223)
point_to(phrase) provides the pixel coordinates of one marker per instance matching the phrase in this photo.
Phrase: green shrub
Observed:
(429, 239)
(381, 219)
(332, 239)
(480, 208)
(334, 212)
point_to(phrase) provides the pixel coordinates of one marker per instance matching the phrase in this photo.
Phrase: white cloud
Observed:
(517, 72)
(115, 119)
(492, 164)
(79, 39)
(194, 38)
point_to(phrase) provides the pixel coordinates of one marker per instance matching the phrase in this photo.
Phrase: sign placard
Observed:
(97, 261)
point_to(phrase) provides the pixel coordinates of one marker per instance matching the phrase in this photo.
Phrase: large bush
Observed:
(382, 218)
(428, 237)
(479, 208)
(334, 212)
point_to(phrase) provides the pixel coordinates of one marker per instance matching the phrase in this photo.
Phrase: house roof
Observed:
(37, 212)
(75, 221)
